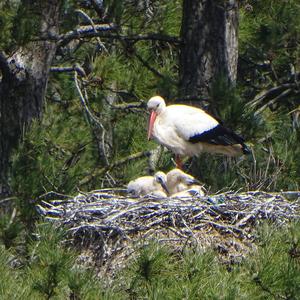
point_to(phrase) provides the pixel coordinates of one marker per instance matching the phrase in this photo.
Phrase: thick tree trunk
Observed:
(23, 85)
(210, 45)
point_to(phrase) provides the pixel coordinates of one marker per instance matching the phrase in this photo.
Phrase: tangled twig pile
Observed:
(110, 227)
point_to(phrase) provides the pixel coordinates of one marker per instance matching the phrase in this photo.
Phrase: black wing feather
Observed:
(218, 135)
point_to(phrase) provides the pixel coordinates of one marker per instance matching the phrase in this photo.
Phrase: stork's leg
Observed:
(178, 161)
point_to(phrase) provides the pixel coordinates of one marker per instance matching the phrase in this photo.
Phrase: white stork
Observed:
(188, 131)
(148, 185)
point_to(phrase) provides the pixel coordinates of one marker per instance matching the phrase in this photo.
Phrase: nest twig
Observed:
(110, 226)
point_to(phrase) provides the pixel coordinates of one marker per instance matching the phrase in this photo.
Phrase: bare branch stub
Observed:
(111, 226)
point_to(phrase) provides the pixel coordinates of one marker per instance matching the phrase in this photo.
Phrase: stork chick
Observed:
(146, 185)
(178, 181)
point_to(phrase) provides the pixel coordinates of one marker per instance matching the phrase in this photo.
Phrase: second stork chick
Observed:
(180, 182)
(148, 185)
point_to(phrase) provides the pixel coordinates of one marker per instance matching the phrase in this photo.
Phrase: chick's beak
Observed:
(165, 188)
(192, 181)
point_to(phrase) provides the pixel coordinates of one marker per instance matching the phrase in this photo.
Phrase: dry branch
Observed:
(112, 226)
(273, 95)
(75, 68)
(84, 32)
(103, 31)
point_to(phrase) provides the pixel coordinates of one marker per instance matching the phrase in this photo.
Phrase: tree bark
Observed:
(23, 85)
(209, 50)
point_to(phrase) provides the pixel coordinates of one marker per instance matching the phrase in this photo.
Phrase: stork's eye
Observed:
(157, 105)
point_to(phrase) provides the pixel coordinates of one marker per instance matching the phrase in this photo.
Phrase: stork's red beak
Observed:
(151, 124)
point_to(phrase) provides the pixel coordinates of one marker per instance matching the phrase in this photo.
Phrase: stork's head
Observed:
(161, 179)
(176, 176)
(156, 106)
(132, 190)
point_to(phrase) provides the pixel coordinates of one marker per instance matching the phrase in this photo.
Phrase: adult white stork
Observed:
(188, 131)
(148, 185)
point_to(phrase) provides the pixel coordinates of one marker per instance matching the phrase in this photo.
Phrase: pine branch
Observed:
(76, 68)
(283, 95)
(129, 106)
(85, 32)
(148, 66)
(89, 19)
(258, 281)
(274, 93)
(102, 30)
(143, 37)
(188, 98)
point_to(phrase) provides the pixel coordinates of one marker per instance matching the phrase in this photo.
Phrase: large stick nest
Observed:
(108, 227)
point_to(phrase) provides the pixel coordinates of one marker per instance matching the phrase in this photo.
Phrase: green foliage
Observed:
(26, 22)
(10, 231)
(7, 12)
(11, 285)
(269, 47)
(50, 263)
(160, 274)
(274, 25)
(50, 271)
(20, 21)
(275, 267)
(54, 152)
(272, 271)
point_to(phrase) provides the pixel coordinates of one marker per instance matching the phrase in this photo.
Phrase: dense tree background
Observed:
(98, 88)
(91, 127)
